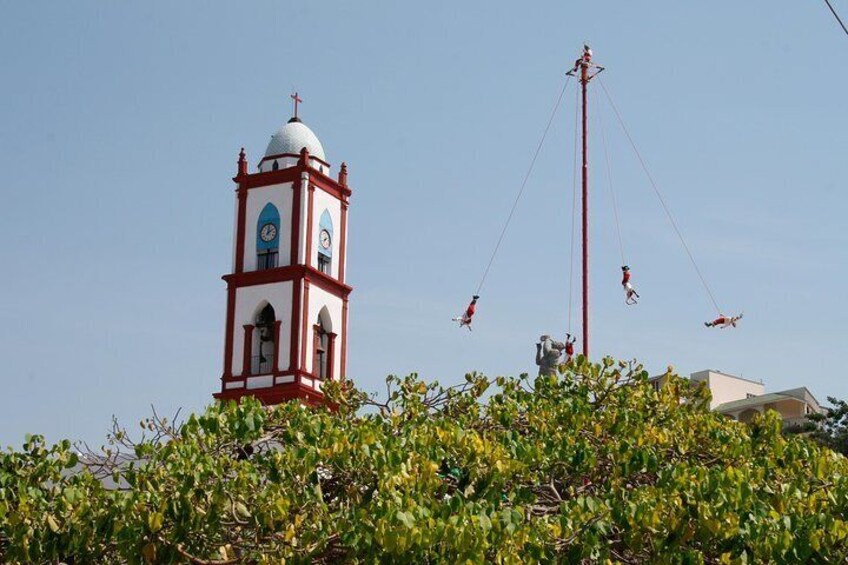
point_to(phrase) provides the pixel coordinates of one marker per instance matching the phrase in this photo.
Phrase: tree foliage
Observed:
(590, 465)
(829, 429)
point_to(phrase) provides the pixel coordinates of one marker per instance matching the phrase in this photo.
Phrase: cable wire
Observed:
(609, 180)
(659, 196)
(835, 15)
(523, 186)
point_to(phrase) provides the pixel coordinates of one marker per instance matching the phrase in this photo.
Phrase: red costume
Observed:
(724, 321)
(569, 345)
(626, 278)
(465, 319)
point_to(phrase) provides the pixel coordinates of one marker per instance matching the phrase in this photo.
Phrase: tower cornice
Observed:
(291, 174)
(329, 185)
(288, 273)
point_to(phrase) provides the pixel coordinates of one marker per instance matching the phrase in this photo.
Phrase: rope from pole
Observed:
(609, 182)
(523, 186)
(835, 15)
(660, 197)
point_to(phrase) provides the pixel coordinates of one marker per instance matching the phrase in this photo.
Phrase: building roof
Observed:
(803, 393)
(755, 401)
(723, 374)
(293, 137)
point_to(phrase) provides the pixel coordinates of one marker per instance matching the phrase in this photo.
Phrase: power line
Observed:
(835, 15)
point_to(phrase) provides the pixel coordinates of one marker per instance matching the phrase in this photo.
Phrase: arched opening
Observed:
(325, 243)
(264, 341)
(323, 346)
(747, 416)
(267, 238)
(275, 165)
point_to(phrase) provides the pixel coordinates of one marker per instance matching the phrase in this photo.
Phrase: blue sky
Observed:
(121, 125)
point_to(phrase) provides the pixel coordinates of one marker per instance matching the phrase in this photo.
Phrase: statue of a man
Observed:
(548, 353)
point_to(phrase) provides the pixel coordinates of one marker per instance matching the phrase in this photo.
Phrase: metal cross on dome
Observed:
(297, 100)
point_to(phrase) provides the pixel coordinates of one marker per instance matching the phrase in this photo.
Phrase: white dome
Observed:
(293, 137)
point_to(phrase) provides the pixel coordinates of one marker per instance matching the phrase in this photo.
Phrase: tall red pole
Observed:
(584, 81)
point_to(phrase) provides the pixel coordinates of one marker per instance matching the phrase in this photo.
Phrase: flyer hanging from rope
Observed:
(476, 295)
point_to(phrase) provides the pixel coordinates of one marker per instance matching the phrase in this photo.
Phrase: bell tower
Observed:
(287, 300)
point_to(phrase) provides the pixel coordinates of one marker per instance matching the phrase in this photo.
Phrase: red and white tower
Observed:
(287, 301)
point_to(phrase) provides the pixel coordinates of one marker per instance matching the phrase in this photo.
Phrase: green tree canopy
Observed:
(829, 429)
(591, 465)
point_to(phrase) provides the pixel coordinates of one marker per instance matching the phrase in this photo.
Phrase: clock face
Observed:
(268, 232)
(325, 239)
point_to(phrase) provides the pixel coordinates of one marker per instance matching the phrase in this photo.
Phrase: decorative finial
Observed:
(242, 163)
(343, 174)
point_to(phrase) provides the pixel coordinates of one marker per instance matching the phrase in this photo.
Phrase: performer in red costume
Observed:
(569, 346)
(629, 292)
(465, 319)
(724, 321)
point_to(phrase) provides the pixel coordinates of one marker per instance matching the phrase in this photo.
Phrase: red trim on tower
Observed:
(275, 364)
(228, 335)
(315, 343)
(248, 346)
(288, 273)
(343, 242)
(278, 393)
(242, 164)
(328, 283)
(328, 185)
(281, 155)
(244, 378)
(293, 345)
(331, 355)
(303, 318)
(241, 194)
(289, 174)
(344, 339)
(292, 174)
(309, 214)
(295, 227)
(343, 174)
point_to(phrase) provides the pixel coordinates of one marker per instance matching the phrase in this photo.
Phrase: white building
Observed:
(287, 299)
(741, 398)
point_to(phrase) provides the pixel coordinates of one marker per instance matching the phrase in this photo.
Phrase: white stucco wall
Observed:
(281, 196)
(727, 388)
(321, 167)
(304, 206)
(286, 162)
(282, 163)
(323, 201)
(318, 299)
(249, 299)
